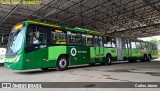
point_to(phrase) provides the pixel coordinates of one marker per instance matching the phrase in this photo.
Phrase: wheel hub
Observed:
(62, 63)
(108, 60)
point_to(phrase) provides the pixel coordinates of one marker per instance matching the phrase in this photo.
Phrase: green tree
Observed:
(155, 40)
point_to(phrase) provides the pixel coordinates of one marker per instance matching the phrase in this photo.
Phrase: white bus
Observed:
(2, 54)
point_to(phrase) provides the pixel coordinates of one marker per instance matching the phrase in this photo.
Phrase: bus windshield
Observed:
(15, 41)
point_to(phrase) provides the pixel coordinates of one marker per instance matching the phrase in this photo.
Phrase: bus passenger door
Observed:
(36, 48)
(98, 49)
(101, 49)
(119, 48)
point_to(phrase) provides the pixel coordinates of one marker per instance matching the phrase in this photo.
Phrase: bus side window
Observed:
(104, 41)
(113, 42)
(129, 45)
(138, 45)
(143, 45)
(78, 38)
(133, 45)
(58, 37)
(148, 46)
(123, 43)
(126, 44)
(108, 42)
(41, 36)
(152, 46)
(96, 42)
(155, 47)
(83, 39)
(89, 40)
(100, 41)
(73, 38)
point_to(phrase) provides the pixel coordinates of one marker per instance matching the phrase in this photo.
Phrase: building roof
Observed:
(125, 18)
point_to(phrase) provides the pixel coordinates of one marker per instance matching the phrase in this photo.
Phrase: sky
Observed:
(149, 38)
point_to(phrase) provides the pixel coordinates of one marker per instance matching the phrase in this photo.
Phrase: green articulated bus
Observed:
(34, 45)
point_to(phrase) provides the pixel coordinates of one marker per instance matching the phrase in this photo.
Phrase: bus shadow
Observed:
(100, 65)
(54, 70)
(36, 71)
(70, 68)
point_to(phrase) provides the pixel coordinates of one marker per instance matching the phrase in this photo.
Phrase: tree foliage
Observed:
(154, 40)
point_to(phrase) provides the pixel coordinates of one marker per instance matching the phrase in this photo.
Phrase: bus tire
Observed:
(92, 64)
(45, 69)
(108, 59)
(62, 63)
(149, 57)
(144, 58)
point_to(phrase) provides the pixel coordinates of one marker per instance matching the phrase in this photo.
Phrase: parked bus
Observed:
(2, 54)
(130, 50)
(34, 44)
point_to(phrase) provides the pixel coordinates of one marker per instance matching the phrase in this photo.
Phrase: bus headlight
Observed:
(17, 59)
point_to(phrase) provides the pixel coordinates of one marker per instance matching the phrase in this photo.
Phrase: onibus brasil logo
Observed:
(21, 85)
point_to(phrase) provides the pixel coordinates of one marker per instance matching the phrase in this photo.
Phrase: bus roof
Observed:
(77, 29)
(45, 24)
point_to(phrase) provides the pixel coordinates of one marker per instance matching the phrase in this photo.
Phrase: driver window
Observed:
(30, 35)
(41, 36)
(35, 35)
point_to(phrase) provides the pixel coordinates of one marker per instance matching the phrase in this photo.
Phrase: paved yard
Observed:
(118, 72)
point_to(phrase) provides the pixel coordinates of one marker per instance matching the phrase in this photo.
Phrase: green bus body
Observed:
(46, 57)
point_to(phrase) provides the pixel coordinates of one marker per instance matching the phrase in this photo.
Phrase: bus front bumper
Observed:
(14, 66)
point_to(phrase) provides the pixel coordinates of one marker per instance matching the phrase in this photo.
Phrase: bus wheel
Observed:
(92, 64)
(45, 69)
(62, 63)
(145, 58)
(149, 57)
(108, 60)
